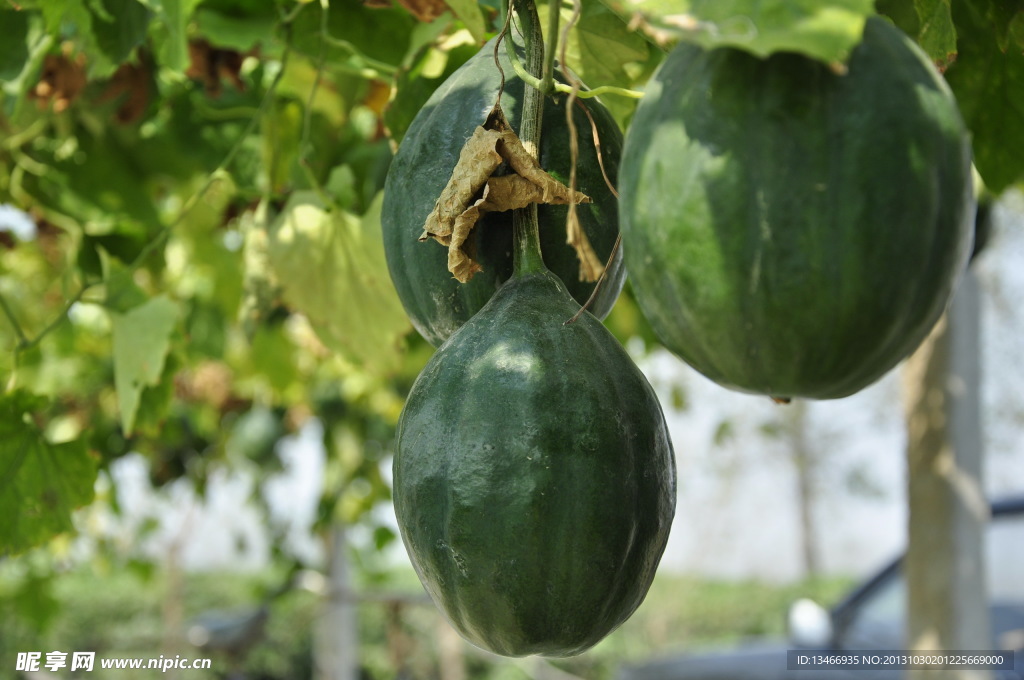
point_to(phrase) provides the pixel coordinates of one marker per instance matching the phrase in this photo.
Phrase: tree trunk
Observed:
(336, 646)
(944, 567)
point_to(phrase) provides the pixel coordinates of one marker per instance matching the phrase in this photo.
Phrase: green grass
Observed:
(122, 614)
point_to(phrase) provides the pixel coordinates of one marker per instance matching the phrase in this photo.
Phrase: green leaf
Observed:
(273, 356)
(40, 483)
(122, 292)
(122, 29)
(469, 12)
(358, 37)
(937, 34)
(989, 86)
(332, 267)
(242, 32)
(13, 43)
(603, 50)
(173, 17)
(141, 341)
(823, 29)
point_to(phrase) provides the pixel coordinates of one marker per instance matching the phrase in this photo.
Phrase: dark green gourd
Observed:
(790, 230)
(436, 303)
(534, 478)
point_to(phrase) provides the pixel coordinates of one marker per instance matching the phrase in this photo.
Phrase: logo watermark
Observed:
(29, 662)
(892, 659)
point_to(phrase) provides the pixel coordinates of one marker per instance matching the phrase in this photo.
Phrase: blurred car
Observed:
(872, 617)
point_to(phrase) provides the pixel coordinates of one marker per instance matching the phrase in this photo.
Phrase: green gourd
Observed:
(436, 303)
(534, 478)
(790, 229)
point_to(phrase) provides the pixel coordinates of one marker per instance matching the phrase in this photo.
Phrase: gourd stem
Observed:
(548, 80)
(526, 231)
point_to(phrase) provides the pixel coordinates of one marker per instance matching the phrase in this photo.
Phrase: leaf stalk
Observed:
(526, 230)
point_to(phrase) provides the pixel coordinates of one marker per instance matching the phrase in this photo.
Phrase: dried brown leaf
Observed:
(424, 10)
(473, 190)
(590, 264)
(62, 80)
(524, 164)
(477, 161)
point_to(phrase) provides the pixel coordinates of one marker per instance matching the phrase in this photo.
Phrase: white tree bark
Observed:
(336, 644)
(944, 566)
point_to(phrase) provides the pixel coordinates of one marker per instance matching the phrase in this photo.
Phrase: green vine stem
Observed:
(536, 82)
(526, 231)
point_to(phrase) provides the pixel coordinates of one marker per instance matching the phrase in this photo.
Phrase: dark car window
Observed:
(878, 620)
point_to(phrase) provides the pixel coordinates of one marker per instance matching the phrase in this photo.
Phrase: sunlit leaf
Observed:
(937, 35)
(331, 265)
(989, 86)
(273, 356)
(603, 50)
(824, 29)
(173, 18)
(469, 12)
(40, 482)
(141, 341)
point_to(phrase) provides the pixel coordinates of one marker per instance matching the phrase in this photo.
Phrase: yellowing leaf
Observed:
(142, 338)
(469, 12)
(40, 483)
(332, 268)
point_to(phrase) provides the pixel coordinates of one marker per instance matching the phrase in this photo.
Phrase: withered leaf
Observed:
(424, 10)
(478, 159)
(473, 190)
(591, 266)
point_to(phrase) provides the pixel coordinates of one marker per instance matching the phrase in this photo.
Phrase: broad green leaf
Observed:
(602, 50)
(120, 28)
(989, 86)
(40, 482)
(823, 29)
(361, 39)
(937, 35)
(273, 356)
(172, 22)
(469, 12)
(101, 185)
(13, 43)
(241, 33)
(331, 265)
(141, 341)
(341, 187)
(123, 294)
(155, 400)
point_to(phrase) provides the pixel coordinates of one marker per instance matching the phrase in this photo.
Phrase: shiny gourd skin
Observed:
(436, 303)
(790, 230)
(534, 478)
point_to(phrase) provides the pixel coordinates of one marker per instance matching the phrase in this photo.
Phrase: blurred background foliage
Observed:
(190, 271)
